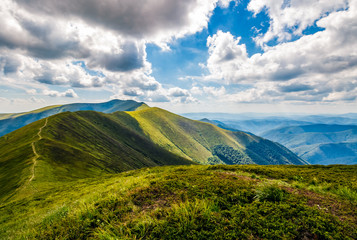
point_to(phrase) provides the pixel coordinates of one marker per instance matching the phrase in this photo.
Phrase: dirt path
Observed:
(34, 159)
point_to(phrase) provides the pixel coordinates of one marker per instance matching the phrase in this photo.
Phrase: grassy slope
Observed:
(195, 139)
(16, 156)
(86, 144)
(180, 135)
(192, 202)
(73, 146)
(11, 122)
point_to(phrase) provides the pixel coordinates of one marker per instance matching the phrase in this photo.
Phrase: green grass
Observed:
(188, 202)
(197, 140)
(347, 193)
(16, 159)
(78, 191)
(270, 193)
(74, 146)
(84, 144)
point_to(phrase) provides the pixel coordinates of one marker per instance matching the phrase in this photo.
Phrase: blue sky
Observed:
(185, 56)
(187, 53)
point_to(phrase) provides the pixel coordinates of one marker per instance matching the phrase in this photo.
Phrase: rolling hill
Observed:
(206, 143)
(13, 121)
(75, 145)
(319, 143)
(70, 146)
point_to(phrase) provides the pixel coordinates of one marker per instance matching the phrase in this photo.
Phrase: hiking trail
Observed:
(34, 159)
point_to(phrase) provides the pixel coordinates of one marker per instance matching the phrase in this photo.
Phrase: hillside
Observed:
(207, 143)
(84, 144)
(70, 146)
(13, 121)
(192, 202)
(319, 143)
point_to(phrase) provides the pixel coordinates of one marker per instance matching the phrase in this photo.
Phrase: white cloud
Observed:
(317, 67)
(207, 91)
(31, 91)
(225, 3)
(153, 20)
(178, 92)
(341, 96)
(37, 100)
(70, 93)
(93, 44)
(226, 55)
(288, 18)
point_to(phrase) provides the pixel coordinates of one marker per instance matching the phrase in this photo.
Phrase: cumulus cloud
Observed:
(130, 56)
(226, 55)
(289, 18)
(40, 37)
(178, 92)
(9, 64)
(138, 19)
(225, 3)
(70, 93)
(31, 91)
(209, 91)
(159, 95)
(316, 67)
(43, 42)
(295, 87)
(341, 96)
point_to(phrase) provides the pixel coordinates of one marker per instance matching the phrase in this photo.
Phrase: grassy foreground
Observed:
(192, 202)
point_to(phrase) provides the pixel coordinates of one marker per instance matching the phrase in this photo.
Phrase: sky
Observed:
(281, 56)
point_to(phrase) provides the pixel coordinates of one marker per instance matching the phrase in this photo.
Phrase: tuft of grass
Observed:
(314, 181)
(347, 193)
(298, 178)
(270, 193)
(56, 215)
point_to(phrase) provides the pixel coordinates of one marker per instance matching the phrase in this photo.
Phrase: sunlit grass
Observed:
(186, 202)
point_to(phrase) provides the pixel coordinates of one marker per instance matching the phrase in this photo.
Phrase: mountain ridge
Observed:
(75, 145)
(13, 121)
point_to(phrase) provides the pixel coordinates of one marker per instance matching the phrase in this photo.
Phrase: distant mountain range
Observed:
(261, 123)
(318, 139)
(319, 143)
(72, 145)
(13, 121)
